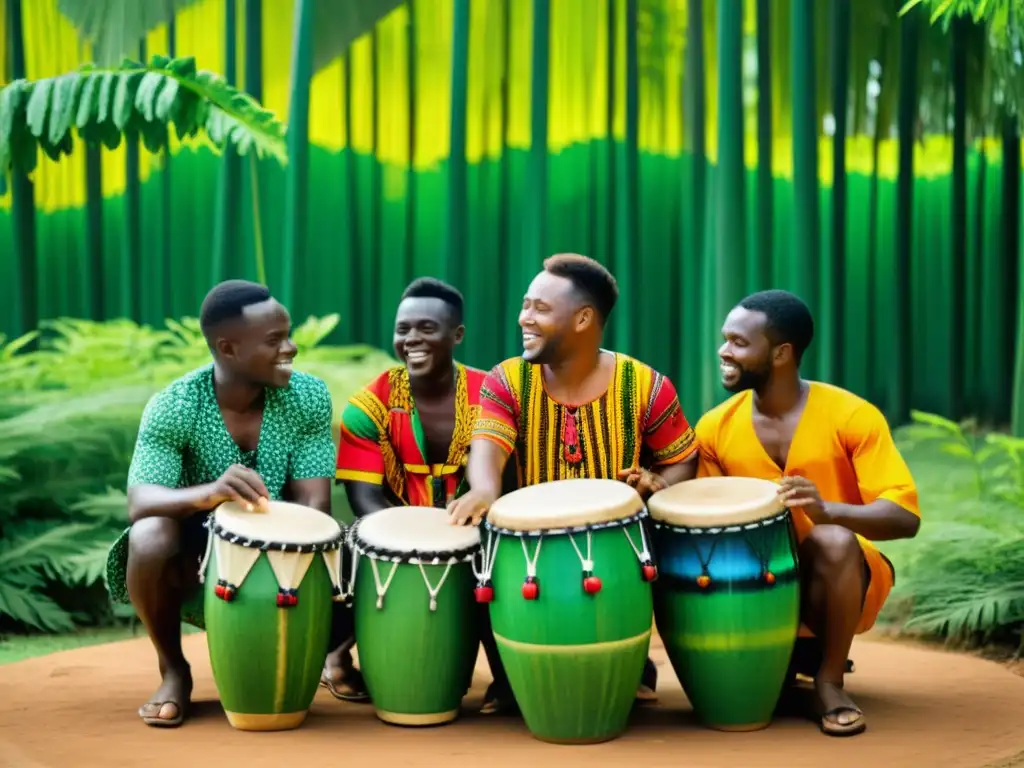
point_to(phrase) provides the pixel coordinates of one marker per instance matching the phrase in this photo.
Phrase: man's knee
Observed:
(832, 546)
(154, 540)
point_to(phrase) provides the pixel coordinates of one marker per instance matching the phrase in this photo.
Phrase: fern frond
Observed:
(22, 603)
(134, 100)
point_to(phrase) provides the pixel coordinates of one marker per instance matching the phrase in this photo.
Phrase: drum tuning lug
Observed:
(650, 571)
(531, 588)
(769, 577)
(591, 584)
(484, 593)
(224, 591)
(703, 581)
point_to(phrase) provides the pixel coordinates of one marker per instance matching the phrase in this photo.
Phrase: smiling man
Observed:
(568, 408)
(405, 436)
(838, 470)
(244, 428)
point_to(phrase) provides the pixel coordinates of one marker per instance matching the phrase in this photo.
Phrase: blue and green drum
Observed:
(727, 598)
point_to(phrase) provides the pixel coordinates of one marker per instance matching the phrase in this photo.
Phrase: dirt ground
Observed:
(924, 708)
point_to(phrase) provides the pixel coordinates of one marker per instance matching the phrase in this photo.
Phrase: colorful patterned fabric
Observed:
(842, 444)
(183, 442)
(382, 439)
(637, 422)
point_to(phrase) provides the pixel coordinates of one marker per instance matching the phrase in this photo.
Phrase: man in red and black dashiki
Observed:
(405, 436)
(568, 408)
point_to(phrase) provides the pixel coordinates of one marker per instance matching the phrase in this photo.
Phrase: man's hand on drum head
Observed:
(469, 508)
(796, 491)
(242, 485)
(647, 483)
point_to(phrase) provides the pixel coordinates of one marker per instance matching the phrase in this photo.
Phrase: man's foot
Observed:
(345, 683)
(648, 682)
(498, 701)
(839, 715)
(168, 706)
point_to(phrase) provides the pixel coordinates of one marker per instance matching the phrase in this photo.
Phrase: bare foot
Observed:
(167, 707)
(839, 715)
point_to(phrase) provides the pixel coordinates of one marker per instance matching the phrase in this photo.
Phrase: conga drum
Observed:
(727, 600)
(566, 572)
(270, 582)
(415, 615)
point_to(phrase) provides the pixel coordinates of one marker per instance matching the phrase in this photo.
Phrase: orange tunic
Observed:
(842, 444)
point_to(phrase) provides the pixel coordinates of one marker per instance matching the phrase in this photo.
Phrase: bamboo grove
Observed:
(701, 149)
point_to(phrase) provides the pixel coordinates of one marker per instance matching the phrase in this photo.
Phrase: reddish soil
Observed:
(924, 708)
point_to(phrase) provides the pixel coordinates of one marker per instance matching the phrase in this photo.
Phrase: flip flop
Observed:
(833, 728)
(164, 722)
(646, 695)
(344, 691)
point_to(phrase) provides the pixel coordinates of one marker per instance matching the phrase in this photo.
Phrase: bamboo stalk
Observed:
(535, 230)
(131, 244)
(225, 225)
(296, 179)
(696, 395)
(760, 272)
(807, 222)
(834, 310)
(730, 219)
(23, 208)
(458, 203)
(958, 220)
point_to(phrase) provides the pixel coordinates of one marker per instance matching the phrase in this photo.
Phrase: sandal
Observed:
(163, 722)
(830, 725)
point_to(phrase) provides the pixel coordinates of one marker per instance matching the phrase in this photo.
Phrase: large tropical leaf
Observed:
(104, 104)
(116, 27)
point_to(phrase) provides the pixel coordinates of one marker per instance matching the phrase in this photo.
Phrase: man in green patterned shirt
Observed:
(244, 428)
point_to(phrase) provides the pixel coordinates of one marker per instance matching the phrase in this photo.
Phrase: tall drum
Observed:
(271, 579)
(727, 600)
(566, 572)
(415, 615)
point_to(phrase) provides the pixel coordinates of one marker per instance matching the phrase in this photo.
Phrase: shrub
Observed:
(72, 394)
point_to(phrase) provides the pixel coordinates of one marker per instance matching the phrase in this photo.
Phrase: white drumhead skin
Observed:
(415, 529)
(283, 523)
(713, 502)
(565, 504)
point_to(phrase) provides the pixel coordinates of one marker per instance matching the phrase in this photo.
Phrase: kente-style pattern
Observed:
(382, 439)
(637, 422)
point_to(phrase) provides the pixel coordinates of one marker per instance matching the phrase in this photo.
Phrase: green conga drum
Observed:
(570, 604)
(271, 579)
(415, 614)
(727, 599)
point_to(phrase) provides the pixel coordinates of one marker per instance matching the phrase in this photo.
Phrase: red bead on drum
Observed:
(219, 591)
(769, 577)
(650, 572)
(484, 594)
(703, 581)
(531, 589)
(592, 585)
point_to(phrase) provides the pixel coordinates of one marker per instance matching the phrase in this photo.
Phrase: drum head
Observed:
(283, 526)
(413, 533)
(563, 504)
(714, 502)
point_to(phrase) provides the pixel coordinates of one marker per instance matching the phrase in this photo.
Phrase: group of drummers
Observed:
(499, 459)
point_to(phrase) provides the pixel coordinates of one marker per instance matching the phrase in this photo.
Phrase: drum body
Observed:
(415, 615)
(727, 600)
(571, 609)
(271, 580)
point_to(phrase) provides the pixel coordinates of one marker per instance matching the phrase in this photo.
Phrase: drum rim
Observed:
(637, 517)
(364, 548)
(323, 545)
(762, 522)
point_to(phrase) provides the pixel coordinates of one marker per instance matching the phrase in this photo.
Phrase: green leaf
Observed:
(956, 449)
(38, 107)
(32, 608)
(934, 420)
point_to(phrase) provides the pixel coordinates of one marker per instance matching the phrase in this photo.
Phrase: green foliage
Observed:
(135, 101)
(962, 577)
(71, 395)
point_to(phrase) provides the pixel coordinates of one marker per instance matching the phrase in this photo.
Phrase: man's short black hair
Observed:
(432, 288)
(228, 300)
(788, 318)
(589, 277)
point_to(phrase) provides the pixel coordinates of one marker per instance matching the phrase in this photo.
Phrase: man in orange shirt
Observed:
(838, 470)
